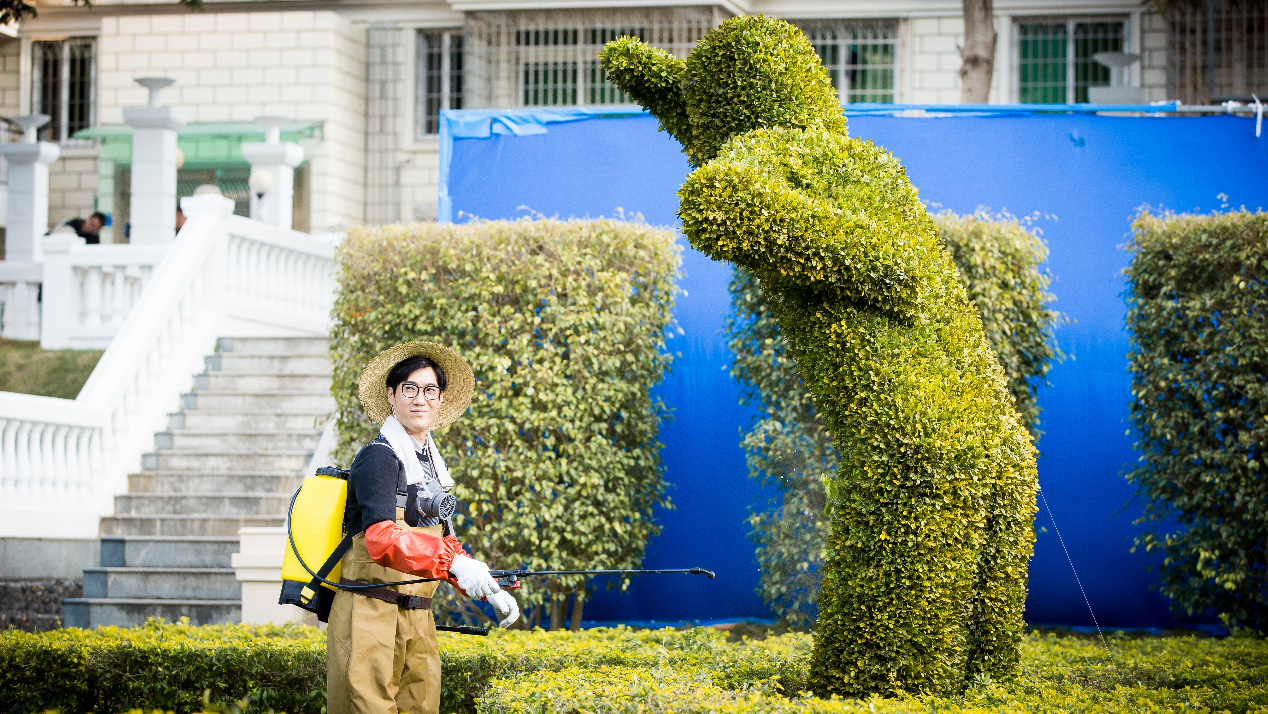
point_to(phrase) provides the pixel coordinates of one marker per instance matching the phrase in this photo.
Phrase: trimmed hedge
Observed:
(263, 668)
(932, 504)
(789, 451)
(114, 669)
(565, 326)
(1197, 302)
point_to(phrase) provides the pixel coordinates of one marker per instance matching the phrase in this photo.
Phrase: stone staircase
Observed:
(231, 458)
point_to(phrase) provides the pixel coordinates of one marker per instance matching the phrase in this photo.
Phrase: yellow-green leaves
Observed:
(564, 324)
(1197, 299)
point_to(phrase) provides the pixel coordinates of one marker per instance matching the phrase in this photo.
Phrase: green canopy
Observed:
(204, 145)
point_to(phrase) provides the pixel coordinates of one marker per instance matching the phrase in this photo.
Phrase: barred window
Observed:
(63, 85)
(1055, 58)
(559, 66)
(859, 57)
(440, 77)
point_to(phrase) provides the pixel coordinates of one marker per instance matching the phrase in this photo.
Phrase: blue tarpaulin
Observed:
(1085, 175)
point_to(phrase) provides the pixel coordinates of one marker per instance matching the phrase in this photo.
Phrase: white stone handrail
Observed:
(279, 277)
(91, 289)
(63, 461)
(19, 300)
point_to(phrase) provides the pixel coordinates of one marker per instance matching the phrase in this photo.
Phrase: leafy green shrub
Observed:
(564, 325)
(169, 667)
(1197, 298)
(1058, 674)
(789, 450)
(932, 504)
(237, 668)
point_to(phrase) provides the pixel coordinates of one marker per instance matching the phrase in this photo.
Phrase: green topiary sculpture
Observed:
(933, 503)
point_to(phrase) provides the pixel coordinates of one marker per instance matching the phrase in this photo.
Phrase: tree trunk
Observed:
(578, 602)
(977, 56)
(558, 610)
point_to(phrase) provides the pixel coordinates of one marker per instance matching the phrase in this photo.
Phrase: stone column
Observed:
(273, 174)
(154, 160)
(28, 190)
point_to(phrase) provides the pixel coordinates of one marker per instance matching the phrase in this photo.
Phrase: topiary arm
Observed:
(653, 78)
(747, 206)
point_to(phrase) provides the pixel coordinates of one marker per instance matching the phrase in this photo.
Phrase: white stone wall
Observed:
(1153, 58)
(234, 67)
(72, 184)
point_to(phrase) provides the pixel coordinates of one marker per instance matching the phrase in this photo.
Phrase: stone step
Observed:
(216, 461)
(162, 583)
(316, 383)
(174, 524)
(273, 345)
(287, 401)
(207, 504)
(254, 420)
(175, 482)
(257, 441)
(229, 362)
(168, 551)
(130, 612)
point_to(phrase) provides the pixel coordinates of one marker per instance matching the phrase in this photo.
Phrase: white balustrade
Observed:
(20, 300)
(62, 461)
(91, 289)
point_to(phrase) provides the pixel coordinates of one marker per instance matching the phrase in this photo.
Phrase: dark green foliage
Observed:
(1197, 304)
(789, 449)
(565, 325)
(933, 499)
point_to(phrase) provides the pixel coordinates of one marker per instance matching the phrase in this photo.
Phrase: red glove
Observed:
(414, 552)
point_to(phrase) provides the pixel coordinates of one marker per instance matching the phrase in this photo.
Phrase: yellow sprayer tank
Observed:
(315, 528)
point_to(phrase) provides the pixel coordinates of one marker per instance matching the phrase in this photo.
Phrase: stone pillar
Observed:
(154, 160)
(28, 190)
(273, 174)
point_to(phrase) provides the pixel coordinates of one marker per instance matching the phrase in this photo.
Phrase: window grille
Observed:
(859, 57)
(1055, 58)
(551, 58)
(440, 77)
(1234, 66)
(63, 85)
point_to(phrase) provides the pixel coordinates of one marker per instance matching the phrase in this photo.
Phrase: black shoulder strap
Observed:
(323, 573)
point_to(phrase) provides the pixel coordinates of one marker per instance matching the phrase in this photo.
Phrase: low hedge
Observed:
(265, 668)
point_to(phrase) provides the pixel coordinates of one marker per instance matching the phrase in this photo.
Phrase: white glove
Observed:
(508, 610)
(473, 577)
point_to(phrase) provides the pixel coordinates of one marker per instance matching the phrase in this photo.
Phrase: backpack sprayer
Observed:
(314, 530)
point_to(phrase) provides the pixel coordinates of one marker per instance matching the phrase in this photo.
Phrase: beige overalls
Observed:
(381, 659)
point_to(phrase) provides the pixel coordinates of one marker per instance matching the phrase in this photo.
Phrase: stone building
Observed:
(363, 81)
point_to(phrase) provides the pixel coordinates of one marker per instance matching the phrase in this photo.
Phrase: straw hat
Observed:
(460, 382)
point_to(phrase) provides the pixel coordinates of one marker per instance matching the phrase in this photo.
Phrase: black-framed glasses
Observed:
(409, 390)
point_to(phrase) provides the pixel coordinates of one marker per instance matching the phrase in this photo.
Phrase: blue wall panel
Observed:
(1089, 173)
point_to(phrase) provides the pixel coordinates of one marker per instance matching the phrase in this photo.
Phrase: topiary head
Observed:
(748, 73)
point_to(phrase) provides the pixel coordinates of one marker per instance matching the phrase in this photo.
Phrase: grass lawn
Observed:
(27, 369)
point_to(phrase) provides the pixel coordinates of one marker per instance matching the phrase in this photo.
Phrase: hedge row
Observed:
(789, 450)
(1198, 314)
(565, 325)
(257, 669)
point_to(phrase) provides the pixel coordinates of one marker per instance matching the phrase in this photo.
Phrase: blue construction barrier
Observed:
(1090, 173)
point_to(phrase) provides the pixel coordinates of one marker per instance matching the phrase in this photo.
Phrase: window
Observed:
(559, 66)
(1056, 65)
(440, 74)
(62, 85)
(859, 57)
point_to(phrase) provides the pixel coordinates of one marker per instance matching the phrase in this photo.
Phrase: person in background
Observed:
(180, 218)
(90, 228)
